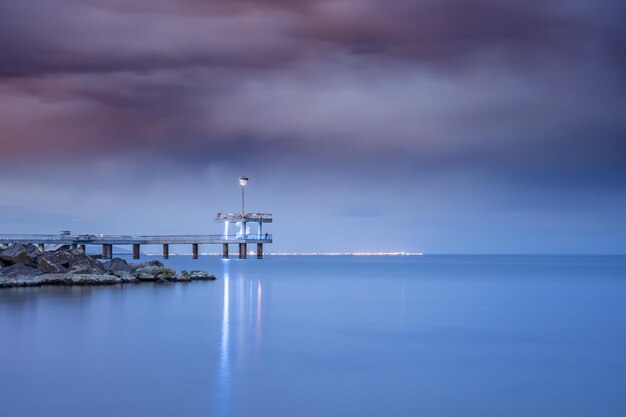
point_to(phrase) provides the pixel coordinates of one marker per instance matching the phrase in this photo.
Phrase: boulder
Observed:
(117, 265)
(19, 270)
(201, 276)
(154, 273)
(48, 266)
(23, 265)
(59, 260)
(20, 254)
(71, 261)
(184, 276)
(87, 266)
(146, 264)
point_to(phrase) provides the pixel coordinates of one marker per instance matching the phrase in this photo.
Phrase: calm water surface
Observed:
(326, 336)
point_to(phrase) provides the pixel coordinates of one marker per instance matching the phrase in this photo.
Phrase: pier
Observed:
(241, 237)
(242, 224)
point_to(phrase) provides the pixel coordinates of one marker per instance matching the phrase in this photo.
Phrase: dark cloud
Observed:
(95, 36)
(530, 94)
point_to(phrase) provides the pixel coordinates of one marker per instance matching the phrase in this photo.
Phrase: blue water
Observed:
(326, 336)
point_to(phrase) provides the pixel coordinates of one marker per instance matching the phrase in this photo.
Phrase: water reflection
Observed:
(243, 298)
(259, 300)
(224, 383)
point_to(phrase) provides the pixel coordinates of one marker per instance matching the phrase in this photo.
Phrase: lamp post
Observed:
(243, 181)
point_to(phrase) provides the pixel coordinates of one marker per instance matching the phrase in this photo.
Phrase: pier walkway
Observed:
(108, 241)
(239, 221)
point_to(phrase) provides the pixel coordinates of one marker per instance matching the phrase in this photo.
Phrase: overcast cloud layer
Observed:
(440, 126)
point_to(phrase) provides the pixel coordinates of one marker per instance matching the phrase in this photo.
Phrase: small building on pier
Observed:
(241, 223)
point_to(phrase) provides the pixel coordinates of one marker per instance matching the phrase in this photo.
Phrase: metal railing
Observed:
(34, 238)
(242, 216)
(129, 239)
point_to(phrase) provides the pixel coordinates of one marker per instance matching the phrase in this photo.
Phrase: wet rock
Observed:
(20, 254)
(183, 276)
(23, 265)
(86, 266)
(55, 262)
(146, 264)
(201, 276)
(61, 279)
(48, 266)
(154, 273)
(71, 261)
(17, 270)
(117, 265)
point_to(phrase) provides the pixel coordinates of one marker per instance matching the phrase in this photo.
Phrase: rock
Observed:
(17, 270)
(87, 266)
(154, 273)
(20, 254)
(146, 264)
(184, 276)
(71, 261)
(47, 266)
(55, 262)
(73, 267)
(117, 265)
(20, 281)
(201, 276)
(61, 279)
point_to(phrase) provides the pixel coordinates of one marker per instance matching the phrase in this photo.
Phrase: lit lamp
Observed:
(243, 181)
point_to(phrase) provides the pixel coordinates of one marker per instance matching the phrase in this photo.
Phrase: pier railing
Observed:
(240, 217)
(133, 239)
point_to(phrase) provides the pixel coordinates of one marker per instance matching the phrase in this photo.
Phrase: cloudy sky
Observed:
(441, 126)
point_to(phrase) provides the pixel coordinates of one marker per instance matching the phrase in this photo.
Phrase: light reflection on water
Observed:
(248, 292)
(224, 368)
(404, 336)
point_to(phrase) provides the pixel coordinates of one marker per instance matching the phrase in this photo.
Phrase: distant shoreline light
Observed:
(304, 254)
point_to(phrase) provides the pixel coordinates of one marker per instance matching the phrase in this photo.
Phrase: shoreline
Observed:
(26, 266)
(89, 280)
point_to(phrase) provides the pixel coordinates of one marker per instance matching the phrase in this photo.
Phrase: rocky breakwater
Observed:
(24, 266)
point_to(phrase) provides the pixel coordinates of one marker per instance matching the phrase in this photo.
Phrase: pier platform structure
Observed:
(242, 223)
(242, 238)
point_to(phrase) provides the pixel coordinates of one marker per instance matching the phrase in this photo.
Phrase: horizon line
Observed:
(392, 254)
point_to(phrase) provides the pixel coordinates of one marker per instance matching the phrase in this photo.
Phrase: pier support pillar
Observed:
(166, 251)
(259, 251)
(243, 250)
(107, 251)
(83, 248)
(224, 250)
(41, 247)
(136, 251)
(74, 246)
(194, 251)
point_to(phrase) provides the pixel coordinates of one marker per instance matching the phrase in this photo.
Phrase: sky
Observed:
(437, 126)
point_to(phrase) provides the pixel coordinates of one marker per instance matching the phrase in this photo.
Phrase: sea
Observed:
(298, 336)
